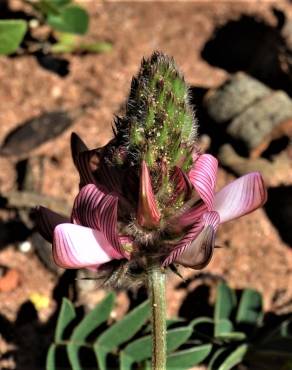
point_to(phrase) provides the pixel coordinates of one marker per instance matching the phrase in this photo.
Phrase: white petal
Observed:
(77, 246)
(240, 197)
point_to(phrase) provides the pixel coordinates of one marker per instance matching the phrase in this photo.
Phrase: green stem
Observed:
(156, 291)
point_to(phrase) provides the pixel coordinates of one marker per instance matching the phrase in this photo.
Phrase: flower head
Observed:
(149, 193)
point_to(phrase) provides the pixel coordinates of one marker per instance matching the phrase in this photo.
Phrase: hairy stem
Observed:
(156, 291)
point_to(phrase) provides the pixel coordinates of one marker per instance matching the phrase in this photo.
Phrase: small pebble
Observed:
(25, 247)
(34, 23)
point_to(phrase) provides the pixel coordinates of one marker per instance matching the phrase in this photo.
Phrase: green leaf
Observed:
(250, 307)
(201, 320)
(59, 47)
(90, 322)
(93, 319)
(60, 3)
(282, 330)
(71, 19)
(234, 358)
(126, 362)
(96, 47)
(67, 314)
(51, 358)
(67, 43)
(73, 355)
(120, 332)
(202, 326)
(234, 336)
(225, 304)
(12, 32)
(217, 357)
(45, 7)
(187, 358)
(101, 354)
(140, 349)
(223, 327)
(73, 45)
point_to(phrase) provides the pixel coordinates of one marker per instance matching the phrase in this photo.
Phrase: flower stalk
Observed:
(156, 291)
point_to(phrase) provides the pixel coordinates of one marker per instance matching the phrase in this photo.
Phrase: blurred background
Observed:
(237, 59)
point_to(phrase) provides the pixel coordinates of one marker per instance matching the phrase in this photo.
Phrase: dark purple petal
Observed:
(76, 246)
(203, 177)
(77, 146)
(110, 177)
(86, 161)
(240, 197)
(199, 252)
(46, 221)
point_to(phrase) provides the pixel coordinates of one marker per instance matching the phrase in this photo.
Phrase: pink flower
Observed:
(148, 194)
(119, 214)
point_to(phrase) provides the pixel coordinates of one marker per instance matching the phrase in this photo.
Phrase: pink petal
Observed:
(76, 246)
(180, 222)
(46, 221)
(95, 209)
(203, 177)
(148, 214)
(240, 197)
(197, 245)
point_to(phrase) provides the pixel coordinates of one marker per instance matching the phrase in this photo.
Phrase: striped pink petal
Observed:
(181, 182)
(196, 248)
(76, 246)
(186, 219)
(240, 197)
(148, 214)
(95, 209)
(46, 221)
(203, 177)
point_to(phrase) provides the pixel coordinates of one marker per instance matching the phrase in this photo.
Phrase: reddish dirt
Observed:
(253, 253)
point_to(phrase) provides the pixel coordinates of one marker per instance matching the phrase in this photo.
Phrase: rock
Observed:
(235, 95)
(265, 120)
(252, 113)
